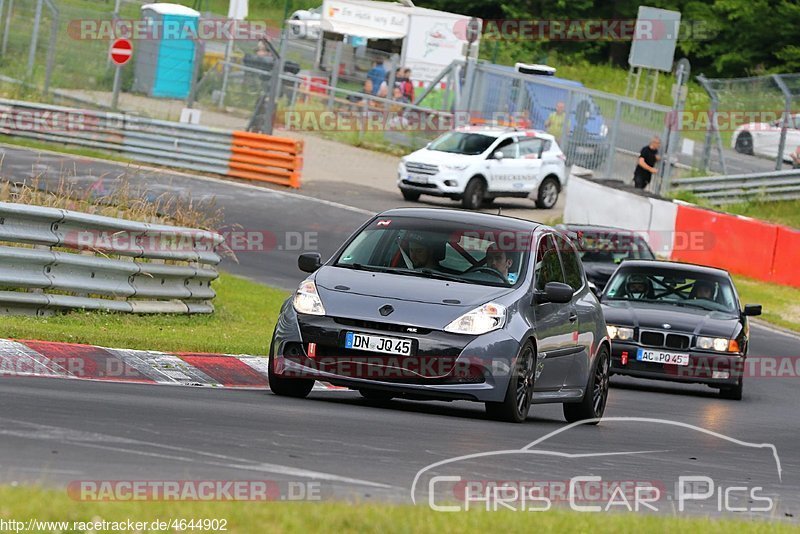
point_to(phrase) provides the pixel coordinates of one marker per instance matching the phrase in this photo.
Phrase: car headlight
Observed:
(721, 344)
(306, 299)
(619, 332)
(456, 166)
(486, 318)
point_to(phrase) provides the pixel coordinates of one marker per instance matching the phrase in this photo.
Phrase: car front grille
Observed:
(422, 168)
(375, 325)
(650, 338)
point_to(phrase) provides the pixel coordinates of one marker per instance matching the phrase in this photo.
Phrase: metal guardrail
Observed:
(171, 144)
(44, 279)
(728, 189)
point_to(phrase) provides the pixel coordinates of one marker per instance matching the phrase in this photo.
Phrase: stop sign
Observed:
(121, 51)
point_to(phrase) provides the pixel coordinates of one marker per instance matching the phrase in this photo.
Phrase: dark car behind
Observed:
(603, 248)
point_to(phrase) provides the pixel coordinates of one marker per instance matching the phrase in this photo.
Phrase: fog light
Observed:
(450, 183)
(722, 375)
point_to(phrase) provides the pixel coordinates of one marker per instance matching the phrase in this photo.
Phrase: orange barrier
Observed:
(786, 262)
(738, 244)
(266, 158)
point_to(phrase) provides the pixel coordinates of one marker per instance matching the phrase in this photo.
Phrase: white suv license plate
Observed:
(388, 345)
(657, 356)
(417, 178)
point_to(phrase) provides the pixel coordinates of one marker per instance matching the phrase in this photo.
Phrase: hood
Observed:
(684, 320)
(416, 300)
(436, 157)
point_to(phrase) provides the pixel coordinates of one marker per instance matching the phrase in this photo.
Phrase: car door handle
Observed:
(573, 317)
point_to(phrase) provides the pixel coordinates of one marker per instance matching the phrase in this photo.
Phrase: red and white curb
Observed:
(90, 362)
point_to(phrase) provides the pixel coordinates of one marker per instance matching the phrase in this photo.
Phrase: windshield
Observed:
(462, 143)
(440, 250)
(607, 247)
(672, 286)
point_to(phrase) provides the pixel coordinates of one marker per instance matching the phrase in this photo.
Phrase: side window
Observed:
(548, 145)
(572, 266)
(548, 266)
(529, 147)
(507, 147)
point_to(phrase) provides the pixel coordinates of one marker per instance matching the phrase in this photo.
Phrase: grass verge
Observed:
(242, 324)
(781, 304)
(785, 212)
(23, 503)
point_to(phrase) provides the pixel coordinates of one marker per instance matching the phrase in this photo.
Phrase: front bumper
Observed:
(704, 367)
(434, 186)
(442, 366)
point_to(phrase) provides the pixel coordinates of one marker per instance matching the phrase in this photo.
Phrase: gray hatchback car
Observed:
(440, 304)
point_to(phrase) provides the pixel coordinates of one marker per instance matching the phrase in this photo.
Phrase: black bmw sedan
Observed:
(676, 321)
(438, 304)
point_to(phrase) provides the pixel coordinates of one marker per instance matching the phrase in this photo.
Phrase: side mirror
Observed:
(556, 292)
(752, 309)
(498, 155)
(309, 262)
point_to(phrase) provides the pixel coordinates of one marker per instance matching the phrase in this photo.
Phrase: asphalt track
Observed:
(56, 431)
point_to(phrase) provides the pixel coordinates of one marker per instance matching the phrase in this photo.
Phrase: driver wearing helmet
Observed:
(638, 287)
(422, 251)
(703, 289)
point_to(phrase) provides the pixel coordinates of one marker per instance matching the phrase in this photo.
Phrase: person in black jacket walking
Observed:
(645, 167)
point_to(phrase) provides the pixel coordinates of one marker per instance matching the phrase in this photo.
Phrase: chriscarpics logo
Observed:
(626, 464)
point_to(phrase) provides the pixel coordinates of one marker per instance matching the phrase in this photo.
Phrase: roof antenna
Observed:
(499, 209)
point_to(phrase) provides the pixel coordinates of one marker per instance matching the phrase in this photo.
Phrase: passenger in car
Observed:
(424, 252)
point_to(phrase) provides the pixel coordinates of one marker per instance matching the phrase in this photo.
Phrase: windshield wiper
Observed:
(692, 305)
(362, 267)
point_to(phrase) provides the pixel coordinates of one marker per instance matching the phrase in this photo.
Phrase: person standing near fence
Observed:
(376, 75)
(555, 122)
(645, 167)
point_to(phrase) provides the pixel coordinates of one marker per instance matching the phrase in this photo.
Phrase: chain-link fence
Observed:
(333, 86)
(598, 131)
(52, 44)
(752, 121)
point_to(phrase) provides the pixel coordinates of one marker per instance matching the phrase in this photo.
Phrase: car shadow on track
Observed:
(652, 386)
(463, 410)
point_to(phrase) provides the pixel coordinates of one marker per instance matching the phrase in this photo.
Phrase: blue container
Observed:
(165, 62)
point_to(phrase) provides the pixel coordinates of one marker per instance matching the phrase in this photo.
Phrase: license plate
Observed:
(657, 356)
(417, 178)
(584, 150)
(388, 345)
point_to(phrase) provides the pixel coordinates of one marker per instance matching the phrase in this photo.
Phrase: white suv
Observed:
(478, 164)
